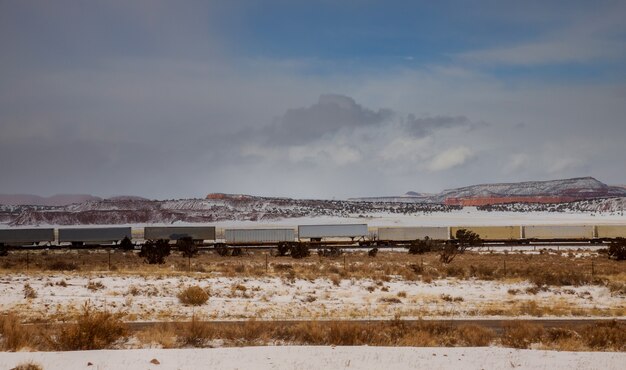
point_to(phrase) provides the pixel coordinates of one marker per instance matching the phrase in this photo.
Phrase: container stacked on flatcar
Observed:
(247, 236)
(491, 233)
(559, 232)
(413, 233)
(319, 232)
(79, 236)
(607, 232)
(20, 237)
(196, 233)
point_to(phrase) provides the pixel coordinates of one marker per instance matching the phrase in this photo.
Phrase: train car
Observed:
(610, 231)
(559, 232)
(412, 233)
(491, 233)
(79, 236)
(18, 237)
(318, 232)
(196, 233)
(259, 235)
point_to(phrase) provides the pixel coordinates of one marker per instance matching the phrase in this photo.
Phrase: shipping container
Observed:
(25, 236)
(179, 232)
(259, 235)
(559, 232)
(611, 231)
(94, 235)
(413, 233)
(332, 231)
(491, 232)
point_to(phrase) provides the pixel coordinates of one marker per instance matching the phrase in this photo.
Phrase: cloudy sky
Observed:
(171, 99)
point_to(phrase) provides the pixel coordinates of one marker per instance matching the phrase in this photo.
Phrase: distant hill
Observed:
(553, 191)
(56, 200)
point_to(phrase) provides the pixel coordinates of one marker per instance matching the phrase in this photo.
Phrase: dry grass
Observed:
(193, 296)
(92, 330)
(29, 292)
(28, 366)
(96, 330)
(522, 334)
(14, 336)
(544, 269)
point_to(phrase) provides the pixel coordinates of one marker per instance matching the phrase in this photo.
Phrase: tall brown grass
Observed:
(14, 335)
(92, 330)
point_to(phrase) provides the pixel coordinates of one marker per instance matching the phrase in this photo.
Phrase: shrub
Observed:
(372, 252)
(93, 330)
(62, 266)
(187, 247)
(95, 285)
(617, 249)
(424, 246)
(236, 252)
(521, 334)
(28, 366)
(4, 251)
(29, 292)
(126, 244)
(300, 250)
(155, 252)
(13, 335)
(475, 335)
(465, 240)
(283, 249)
(330, 252)
(197, 333)
(221, 250)
(605, 336)
(194, 296)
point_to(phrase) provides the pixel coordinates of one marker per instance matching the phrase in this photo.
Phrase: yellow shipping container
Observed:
(492, 232)
(611, 231)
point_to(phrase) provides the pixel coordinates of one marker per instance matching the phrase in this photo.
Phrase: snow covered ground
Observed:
(468, 216)
(154, 298)
(322, 357)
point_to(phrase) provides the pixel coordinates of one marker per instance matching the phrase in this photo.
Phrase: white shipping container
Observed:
(332, 231)
(559, 232)
(26, 236)
(259, 235)
(91, 235)
(413, 233)
(179, 232)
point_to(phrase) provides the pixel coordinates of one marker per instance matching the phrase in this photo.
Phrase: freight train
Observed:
(340, 234)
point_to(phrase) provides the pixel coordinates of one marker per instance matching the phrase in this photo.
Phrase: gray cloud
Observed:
(427, 125)
(330, 114)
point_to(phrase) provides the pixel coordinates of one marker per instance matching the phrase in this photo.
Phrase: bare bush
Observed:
(465, 240)
(521, 334)
(93, 330)
(193, 295)
(13, 335)
(28, 366)
(29, 292)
